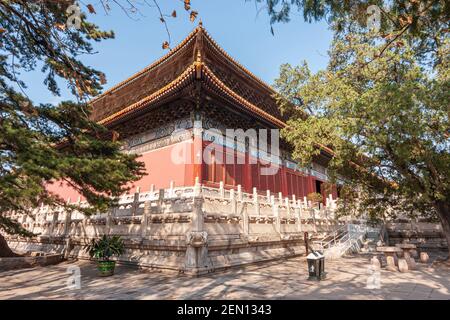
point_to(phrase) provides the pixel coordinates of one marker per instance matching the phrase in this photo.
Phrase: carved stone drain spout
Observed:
(197, 239)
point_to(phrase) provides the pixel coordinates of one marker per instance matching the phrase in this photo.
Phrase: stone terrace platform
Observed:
(347, 278)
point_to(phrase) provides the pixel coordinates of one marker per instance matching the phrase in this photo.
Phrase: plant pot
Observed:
(106, 268)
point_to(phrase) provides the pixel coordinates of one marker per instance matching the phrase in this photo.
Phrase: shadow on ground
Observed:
(346, 279)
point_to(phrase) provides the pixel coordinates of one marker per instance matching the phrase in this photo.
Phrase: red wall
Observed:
(287, 181)
(161, 170)
(159, 167)
(64, 191)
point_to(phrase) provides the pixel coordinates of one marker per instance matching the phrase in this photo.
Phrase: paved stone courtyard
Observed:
(347, 279)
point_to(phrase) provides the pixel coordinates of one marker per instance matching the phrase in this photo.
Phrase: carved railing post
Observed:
(145, 218)
(197, 214)
(42, 214)
(245, 220)
(221, 190)
(288, 209)
(67, 227)
(233, 202)
(276, 214)
(239, 192)
(135, 205)
(161, 201)
(313, 211)
(197, 187)
(67, 223)
(67, 248)
(298, 215)
(256, 201)
(196, 260)
(46, 227)
(110, 220)
(54, 221)
(23, 218)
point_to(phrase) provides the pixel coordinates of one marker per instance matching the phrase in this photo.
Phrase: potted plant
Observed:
(102, 250)
(315, 198)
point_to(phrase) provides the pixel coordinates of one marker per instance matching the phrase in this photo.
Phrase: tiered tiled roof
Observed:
(196, 58)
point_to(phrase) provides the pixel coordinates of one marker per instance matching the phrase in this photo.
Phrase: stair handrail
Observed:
(344, 237)
(341, 231)
(352, 239)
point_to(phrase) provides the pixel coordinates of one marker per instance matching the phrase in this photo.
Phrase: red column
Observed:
(247, 179)
(284, 184)
(301, 187)
(310, 185)
(197, 156)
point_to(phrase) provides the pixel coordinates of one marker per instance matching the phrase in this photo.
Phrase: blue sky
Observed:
(234, 24)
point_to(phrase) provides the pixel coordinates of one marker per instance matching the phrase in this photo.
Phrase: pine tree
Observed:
(382, 104)
(42, 143)
(386, 120)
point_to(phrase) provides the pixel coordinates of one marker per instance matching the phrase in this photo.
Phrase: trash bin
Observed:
(316, 266)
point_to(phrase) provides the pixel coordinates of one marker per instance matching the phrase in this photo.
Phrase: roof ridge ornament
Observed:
(198, 59)
(198, 65)
(198, 48)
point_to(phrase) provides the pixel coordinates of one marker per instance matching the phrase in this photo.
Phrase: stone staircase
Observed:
(349, 238)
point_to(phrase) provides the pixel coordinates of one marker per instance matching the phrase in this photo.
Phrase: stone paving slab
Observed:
(287, 279)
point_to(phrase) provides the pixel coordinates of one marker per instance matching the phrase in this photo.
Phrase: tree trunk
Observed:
(5, 251)
(443, 210)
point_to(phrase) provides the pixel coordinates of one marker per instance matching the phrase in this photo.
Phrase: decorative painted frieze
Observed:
(158, 133)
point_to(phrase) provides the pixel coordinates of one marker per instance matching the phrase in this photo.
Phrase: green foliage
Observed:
(314, 197)
(385, 117)
(34, 32)
(422, 23)
(13, 227)
(105, 247)
(45, 144)
(327, 188)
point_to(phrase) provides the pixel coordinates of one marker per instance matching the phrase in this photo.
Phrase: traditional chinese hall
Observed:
(191, 213)
(198, 82)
